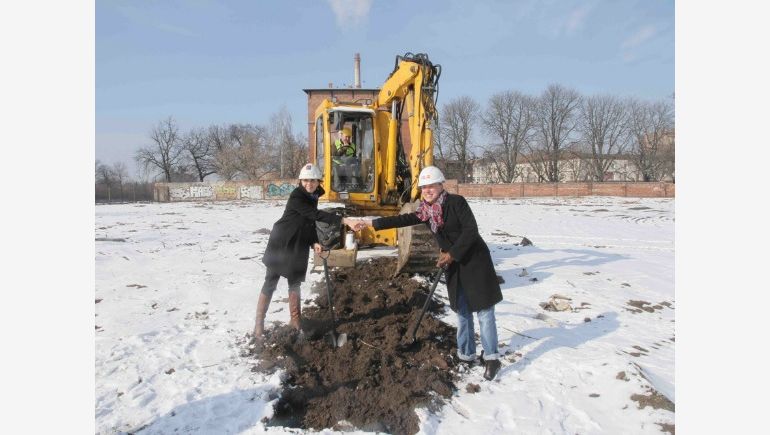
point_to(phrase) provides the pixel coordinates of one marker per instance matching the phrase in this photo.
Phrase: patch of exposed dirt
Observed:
(654, 399)
(472, 388)
(371, 382)
(640, 306)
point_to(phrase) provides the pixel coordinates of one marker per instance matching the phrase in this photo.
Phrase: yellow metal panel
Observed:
(368, 236)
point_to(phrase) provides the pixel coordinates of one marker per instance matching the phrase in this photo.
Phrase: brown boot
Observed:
(294, 310)
(259, 325)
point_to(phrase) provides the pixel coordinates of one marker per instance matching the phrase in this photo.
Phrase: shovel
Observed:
(336, 340)
(410, 343)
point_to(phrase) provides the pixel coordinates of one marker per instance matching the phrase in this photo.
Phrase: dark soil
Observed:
(372, 382)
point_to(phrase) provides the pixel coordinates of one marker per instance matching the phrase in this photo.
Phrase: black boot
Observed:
(465, 365)
(493, 366)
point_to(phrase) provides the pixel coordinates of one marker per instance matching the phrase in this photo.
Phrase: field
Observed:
(176, 291)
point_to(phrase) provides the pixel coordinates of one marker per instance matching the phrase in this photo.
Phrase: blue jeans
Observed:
(466, 343)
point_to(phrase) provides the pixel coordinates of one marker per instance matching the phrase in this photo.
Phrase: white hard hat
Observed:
(310, 172)
(430, 175)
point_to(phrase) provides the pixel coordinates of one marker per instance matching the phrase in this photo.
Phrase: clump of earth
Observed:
(378, 377)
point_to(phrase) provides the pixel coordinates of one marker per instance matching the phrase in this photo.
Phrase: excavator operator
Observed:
(344, 159)
(344, 146)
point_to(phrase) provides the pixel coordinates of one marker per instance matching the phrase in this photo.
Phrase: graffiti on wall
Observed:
(188, 192)
(201, 192)
(251, 192)
(226, 191)
(275, 191)
(179, 193)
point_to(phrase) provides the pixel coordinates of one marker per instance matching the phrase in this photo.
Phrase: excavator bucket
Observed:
(417, 249)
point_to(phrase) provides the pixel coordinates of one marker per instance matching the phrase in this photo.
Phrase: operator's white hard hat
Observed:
(430, 175)
(310, 172)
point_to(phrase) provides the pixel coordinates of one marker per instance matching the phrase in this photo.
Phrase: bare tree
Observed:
(166, 152)
(603, 127)
(97, 164)
(510, 120)
(537, 160)
(199, 152)
(556, 112)
(251, 142)
(440, 157)
(458, 119)
(105, 177)
(652, 127)
(120, 175)
(577, 162)
(438, 142)
(289, 150)
(225, 160)
(295, 155)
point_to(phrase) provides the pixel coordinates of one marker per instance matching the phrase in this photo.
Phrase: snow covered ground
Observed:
(177, 284)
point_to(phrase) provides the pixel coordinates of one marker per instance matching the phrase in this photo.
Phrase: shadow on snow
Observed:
(589, 258)
(555, 337)
(228, 413)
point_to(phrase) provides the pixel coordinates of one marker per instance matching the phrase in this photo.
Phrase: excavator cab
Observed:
(352, 165)
(349, 169)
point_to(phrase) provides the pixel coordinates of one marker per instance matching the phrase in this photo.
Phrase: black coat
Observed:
(472, 265)
(294, 233)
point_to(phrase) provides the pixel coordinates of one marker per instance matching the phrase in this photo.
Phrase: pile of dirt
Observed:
(371, 383)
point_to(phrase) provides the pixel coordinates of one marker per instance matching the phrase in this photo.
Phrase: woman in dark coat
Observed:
(287, 249)
(471, 278)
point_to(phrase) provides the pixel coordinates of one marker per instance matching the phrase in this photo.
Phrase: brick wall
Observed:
(520, 190)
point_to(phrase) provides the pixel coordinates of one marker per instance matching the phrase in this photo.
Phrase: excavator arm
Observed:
(413, 85)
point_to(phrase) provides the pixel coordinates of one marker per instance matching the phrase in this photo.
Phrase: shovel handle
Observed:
(329, 294)
(427, 302)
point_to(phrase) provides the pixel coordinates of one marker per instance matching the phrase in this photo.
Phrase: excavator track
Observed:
(417, 249)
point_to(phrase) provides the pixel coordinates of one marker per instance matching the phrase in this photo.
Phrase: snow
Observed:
(176, 297)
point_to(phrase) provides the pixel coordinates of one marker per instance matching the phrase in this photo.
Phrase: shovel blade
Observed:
(408, 345)
(342, 339)
(336, 340)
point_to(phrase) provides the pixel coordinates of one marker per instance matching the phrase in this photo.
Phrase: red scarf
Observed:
(432, 212)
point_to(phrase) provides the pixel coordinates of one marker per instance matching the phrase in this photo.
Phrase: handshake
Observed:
(357, 224)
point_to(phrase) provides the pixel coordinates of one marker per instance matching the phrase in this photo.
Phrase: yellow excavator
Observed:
(391, 140)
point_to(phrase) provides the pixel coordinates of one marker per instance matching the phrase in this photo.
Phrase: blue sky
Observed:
(206, 62)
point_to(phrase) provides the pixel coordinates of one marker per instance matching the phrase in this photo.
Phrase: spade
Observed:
(334, 339)
(410, 343)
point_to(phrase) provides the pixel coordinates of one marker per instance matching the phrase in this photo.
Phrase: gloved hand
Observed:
(444, 259)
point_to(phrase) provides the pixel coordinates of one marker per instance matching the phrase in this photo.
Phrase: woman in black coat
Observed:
(471, 278)
(290, 240)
